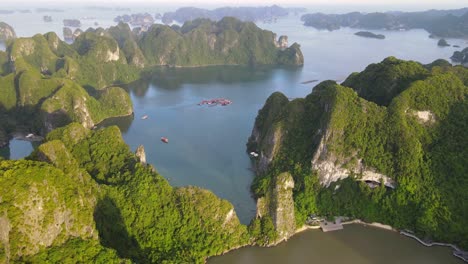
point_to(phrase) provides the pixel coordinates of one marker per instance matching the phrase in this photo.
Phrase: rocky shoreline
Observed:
(463, 255)
(457, 252)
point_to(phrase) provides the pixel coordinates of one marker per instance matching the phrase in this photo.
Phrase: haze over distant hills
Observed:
(184, 14)
(441, 23)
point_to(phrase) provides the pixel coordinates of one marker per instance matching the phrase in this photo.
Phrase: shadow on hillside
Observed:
(113, 232)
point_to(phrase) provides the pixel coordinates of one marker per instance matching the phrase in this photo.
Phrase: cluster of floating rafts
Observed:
(216, 101)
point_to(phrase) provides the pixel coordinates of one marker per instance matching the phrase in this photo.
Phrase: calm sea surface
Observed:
(207, 144)
(356, 244)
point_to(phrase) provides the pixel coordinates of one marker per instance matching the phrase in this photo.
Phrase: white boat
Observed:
(30, 136)
(144, 117)
(254, 154)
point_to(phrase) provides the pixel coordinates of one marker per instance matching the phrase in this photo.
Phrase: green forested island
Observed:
(47, 83)
(390, 148)
(387, 145)
(440, 23)
(266, 13)
(83, 197)
(368, 34)
(460, 56)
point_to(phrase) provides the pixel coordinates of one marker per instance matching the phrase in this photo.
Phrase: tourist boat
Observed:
(165, 139)
(144, 117)
(30, 136)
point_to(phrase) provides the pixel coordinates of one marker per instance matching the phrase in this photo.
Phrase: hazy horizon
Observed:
(315, 5)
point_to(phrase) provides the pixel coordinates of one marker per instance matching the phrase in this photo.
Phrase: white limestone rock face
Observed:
(141, 154)
(113, 55)
(281, 43)
(425, 117)
(331, 169)
(6, 32)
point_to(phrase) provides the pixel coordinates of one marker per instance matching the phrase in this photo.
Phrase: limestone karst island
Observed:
(234, 132)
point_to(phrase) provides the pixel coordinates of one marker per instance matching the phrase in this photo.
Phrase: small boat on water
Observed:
(30, 136)
(254, 154)
(144, 117)
(165, 139)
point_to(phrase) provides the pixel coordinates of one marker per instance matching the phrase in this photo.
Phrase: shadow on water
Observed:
(169, 78)
(20, 121)
(113, 232)
(5, 152)
(123, 123)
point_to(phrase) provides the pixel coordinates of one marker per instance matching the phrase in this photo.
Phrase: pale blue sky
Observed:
(329, 6)
(258, 2)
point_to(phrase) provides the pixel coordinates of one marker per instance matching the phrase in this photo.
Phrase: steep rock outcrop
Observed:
(6, 32)
(331, 169)
(204, 42)
(460, 56)
(265, 138)
(140, 154)
(408, 135)
(282, 42)
(39, 213)
(278, 203)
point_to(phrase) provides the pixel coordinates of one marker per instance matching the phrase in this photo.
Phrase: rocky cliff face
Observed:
(282, 42)
(266, 138)
(386, 128)
(39, 213)
(278, 203)
(460, 56)
(6, 32)
(204, 42)
(140, 154)
(331, 169)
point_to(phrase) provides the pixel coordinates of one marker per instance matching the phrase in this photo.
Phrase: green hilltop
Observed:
(46, 83)
(83, 196)
(398, 124)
